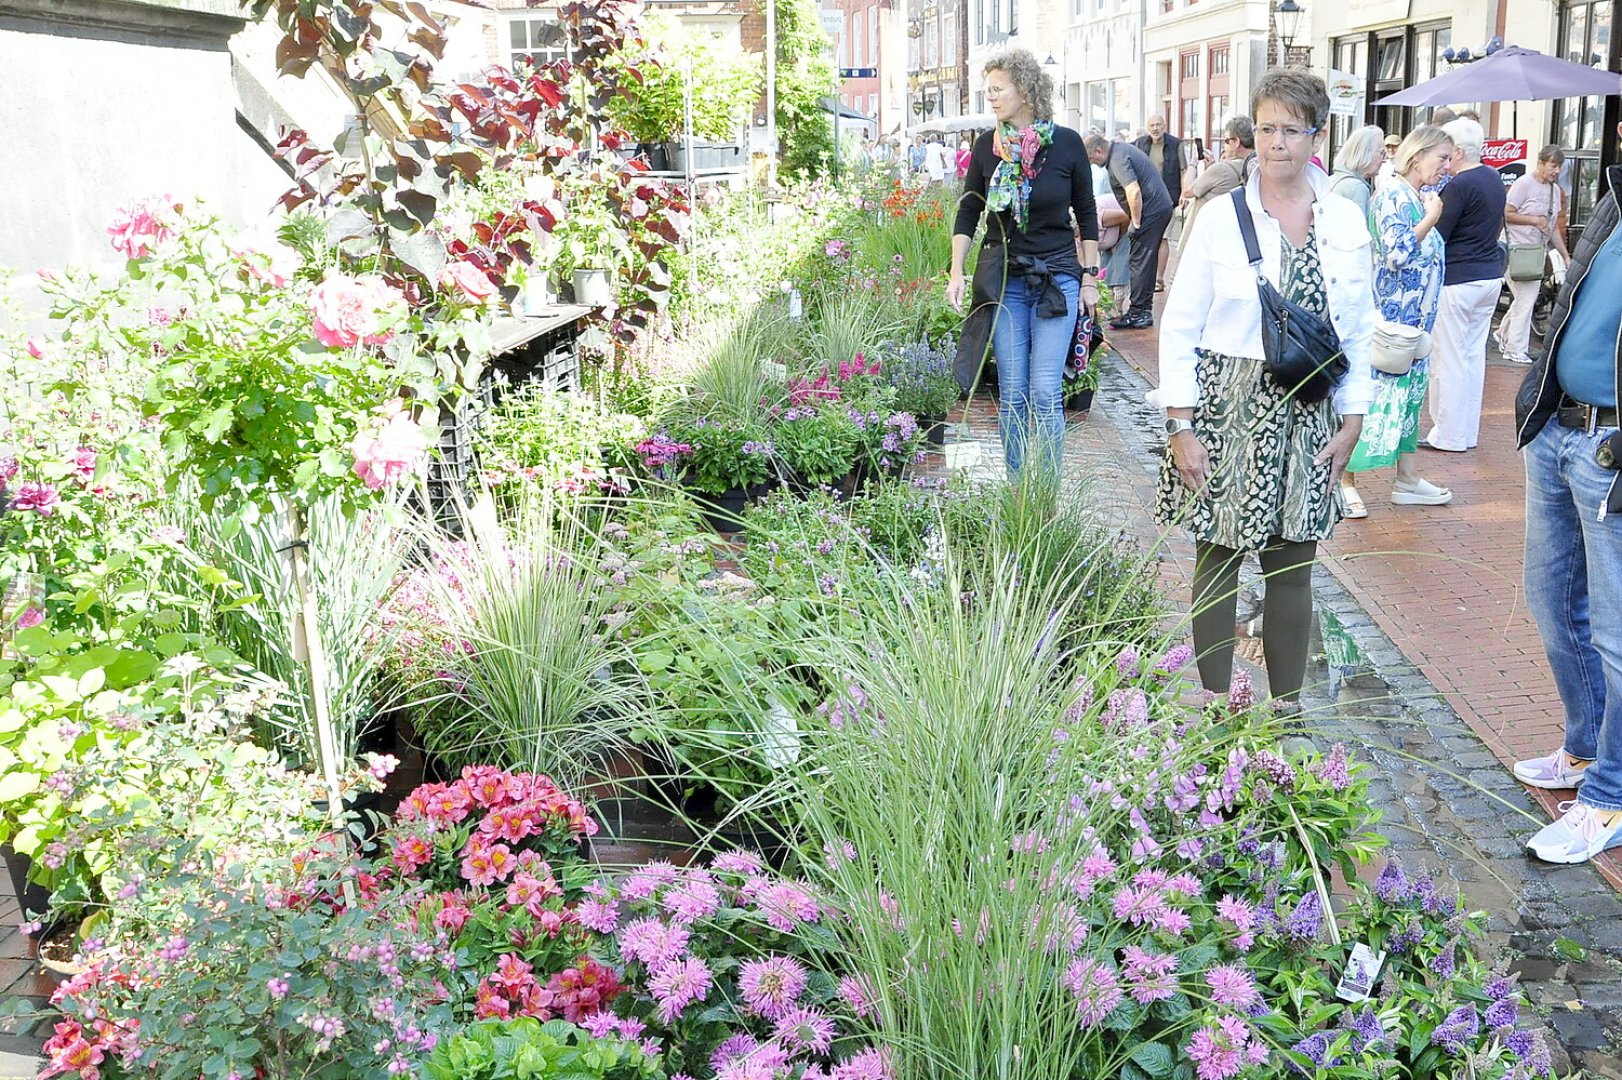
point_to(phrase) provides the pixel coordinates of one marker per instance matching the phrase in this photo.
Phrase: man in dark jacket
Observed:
(1566, 423)
(1142, 193)
(1165, 152)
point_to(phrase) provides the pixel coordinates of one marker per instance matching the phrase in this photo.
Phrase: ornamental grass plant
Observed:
(355, 558)
(513, 667)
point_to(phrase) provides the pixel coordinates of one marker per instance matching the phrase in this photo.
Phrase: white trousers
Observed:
(1459, 363)
(1515, 329)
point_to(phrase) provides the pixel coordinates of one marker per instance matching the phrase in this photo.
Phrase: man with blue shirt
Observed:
(1566, 420)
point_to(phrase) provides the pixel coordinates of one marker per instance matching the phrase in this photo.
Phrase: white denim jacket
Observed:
(1213, 304)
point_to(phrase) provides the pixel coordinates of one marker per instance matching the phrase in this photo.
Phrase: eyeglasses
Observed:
(1293, 134)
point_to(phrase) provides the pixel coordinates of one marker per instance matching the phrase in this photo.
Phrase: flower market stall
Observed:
(725, 734)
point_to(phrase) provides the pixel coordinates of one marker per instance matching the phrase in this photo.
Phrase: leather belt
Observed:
(1589, 418)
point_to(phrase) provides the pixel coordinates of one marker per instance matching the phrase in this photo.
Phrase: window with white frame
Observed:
(536, 40)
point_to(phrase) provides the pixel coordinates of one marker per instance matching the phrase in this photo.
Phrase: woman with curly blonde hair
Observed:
(1034, 178)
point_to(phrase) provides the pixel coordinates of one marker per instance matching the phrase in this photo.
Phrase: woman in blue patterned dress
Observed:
(1408, 290)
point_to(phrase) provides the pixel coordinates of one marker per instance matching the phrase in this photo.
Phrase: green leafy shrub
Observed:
(527, 1049)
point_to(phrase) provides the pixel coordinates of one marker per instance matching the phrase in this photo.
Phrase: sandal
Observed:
(1420, 493)
(1354, 502)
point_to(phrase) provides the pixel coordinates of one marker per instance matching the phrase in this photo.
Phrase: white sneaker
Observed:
(1552, 771)
(1578, 836)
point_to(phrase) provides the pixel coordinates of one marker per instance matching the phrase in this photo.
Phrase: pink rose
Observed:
(355, 311)
(389, 450)
(474, 283)
(8, 469)
(142, 225)
(271, 262)
(84, 464)
(40, 498)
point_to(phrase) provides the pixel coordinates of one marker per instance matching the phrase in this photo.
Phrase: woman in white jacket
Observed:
(1249, 467)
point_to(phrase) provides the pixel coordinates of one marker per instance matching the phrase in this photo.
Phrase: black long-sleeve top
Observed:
(1062, 186)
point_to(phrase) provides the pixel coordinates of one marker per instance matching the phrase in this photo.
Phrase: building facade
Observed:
(873, 38)
(1101, 66)
(1200, 59)
(937, 60)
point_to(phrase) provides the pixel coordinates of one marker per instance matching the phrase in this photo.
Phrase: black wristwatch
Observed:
(1089, 271)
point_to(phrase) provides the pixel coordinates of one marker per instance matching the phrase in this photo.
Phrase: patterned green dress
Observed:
(1261, 443)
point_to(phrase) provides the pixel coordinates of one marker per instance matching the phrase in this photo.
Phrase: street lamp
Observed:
(1288, 15)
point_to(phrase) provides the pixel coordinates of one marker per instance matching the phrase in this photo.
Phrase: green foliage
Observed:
(559, 440)
(805, 76)
(527, 1049)
(725, 83)
(818, 443)
(727, 455)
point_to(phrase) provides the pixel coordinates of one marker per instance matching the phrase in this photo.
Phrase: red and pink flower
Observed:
(142, 226)
(355, 311)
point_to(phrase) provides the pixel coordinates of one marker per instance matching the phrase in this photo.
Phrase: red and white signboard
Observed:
(1501, 152)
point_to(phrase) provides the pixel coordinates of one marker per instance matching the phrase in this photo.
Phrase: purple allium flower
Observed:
(1461, 1025)
(806, 1030)
(1097, 990)
(1232, 986)
(1151, 976)
(1392, 885)
(678, 984)
(1501, 1014)
(771, 987)
(652, 942)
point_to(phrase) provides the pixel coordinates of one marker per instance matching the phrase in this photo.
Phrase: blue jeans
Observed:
(1031, 353)
(1574, 591)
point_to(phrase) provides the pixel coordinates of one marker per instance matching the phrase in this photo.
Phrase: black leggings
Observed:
(1286, 612)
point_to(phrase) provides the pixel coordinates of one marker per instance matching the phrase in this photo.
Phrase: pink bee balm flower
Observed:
(771, 987)
(870, 1064)
(1097, 990)
(354, 311)
(1152, 976)
(139, 227)
(1232, 986)
(678, 984)
(40, 498)
(384, 454)
(600, 916)
(1219, 1052)
(805, 1029)
(652, 942)
(473, 283)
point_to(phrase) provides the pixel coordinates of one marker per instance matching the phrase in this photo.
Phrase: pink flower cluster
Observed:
(475, 285)
(392, 447)
(271, 262)
(1221, 1050)
(140, 227)
(574, 993)
(350, 311)
(77, 1048)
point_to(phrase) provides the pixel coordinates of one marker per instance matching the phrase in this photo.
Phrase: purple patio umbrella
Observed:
(1510, 74)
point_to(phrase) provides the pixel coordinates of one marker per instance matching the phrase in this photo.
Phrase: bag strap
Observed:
(1247, 228)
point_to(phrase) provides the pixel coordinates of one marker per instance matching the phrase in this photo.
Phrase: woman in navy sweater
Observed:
(1034, 178)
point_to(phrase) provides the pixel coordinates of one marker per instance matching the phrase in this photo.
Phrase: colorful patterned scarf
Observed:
(1011, 184)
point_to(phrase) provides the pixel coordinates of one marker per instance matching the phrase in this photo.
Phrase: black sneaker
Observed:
(1132, 322)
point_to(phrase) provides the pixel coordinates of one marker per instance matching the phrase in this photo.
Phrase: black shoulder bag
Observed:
(1300, 351)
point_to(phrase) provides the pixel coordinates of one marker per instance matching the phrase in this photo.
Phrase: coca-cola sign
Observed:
(1501, 152)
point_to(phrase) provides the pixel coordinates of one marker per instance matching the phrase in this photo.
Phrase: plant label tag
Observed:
(961, 455)
(1362, 972)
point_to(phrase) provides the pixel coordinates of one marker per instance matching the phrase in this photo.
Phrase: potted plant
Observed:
(724, 83)
(727, 462)
(921, 375)
(817, 441)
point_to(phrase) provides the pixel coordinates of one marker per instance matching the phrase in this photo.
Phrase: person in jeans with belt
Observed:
(1566, 421)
